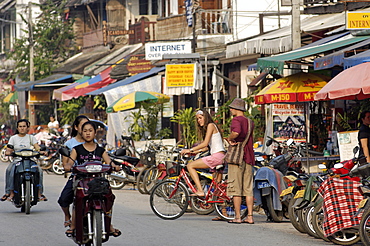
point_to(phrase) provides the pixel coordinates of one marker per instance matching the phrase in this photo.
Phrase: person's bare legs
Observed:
(237, 203)
(194, 175)
(250, 203)
(67, 216)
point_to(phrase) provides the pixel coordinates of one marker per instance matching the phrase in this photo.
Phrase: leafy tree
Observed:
(186, 118)
(52, 41)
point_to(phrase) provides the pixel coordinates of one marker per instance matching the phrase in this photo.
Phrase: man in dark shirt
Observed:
(240, 177)
(364, 135)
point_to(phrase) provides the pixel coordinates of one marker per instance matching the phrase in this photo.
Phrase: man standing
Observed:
(240, 177)
(364, 136)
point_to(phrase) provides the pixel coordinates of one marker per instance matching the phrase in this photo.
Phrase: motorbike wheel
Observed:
(165, 207)
(139, 180)
(150, 178)
(224, 205)
(317, 220)
(198, 205)
(98, 228)
(306, 217)
(293, 216)
(57, 167)
(365, 227)
(345, 237)
(276, 215)
(115, 183)
(3, 157)
(27, 197)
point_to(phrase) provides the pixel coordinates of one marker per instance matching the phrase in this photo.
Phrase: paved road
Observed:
(133, 216)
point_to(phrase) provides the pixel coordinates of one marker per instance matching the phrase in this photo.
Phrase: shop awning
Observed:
(52, 80)
(95, 83)
(275, 64)
(336, 59)
(110, 59)
(58, 93)
(356, 59)
(127, 81)
(11, 97)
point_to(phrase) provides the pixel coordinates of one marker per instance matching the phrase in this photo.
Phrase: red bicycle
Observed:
(170, 198)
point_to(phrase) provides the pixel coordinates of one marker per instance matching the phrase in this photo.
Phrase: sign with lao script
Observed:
(358, 20)
(155, 51)
(179, 75)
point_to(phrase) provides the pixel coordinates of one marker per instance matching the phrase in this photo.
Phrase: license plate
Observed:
(264, 184)
(287, 191)
(362, 203)
(299, 194)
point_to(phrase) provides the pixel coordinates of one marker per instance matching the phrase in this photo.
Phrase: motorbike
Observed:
(93, 202)
(129, 172)
(26, 179)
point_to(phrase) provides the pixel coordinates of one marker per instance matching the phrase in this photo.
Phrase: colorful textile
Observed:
(341, 198)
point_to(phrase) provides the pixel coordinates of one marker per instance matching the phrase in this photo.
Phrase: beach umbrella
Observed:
(134, 99)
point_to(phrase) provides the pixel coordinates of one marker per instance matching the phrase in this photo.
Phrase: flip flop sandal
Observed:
(217, 219)
(42, 198)
(69, 232)
(115, 233)
(4, 197)
(67, 223)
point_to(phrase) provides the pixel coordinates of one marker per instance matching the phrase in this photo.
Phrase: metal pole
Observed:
(206, 80)
(31, 110)
(296, 25)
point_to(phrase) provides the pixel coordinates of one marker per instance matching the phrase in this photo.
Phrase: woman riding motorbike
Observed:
(21, 140)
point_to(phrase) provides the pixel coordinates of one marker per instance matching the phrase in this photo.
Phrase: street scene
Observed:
(157, 122)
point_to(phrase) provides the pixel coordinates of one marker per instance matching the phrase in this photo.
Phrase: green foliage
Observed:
(150, 121)
(52, 41)
(69, 110)
(186, 119)
(137, 130)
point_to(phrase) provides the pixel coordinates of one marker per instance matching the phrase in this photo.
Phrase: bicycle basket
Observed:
(173, 168)
(148, 158)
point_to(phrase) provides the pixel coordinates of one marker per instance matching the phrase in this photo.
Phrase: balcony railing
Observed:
(216, 21)
(143, 31)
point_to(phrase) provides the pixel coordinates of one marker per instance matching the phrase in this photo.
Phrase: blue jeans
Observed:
(9, 178)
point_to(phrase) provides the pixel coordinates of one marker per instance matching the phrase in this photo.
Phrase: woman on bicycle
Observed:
(209, 132)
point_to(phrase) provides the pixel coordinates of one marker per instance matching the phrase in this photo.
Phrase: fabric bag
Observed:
(235, 153)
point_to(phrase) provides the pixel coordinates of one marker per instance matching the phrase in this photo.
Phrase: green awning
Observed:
(275, 64)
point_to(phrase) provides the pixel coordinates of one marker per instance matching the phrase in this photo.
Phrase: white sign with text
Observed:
(155, 51)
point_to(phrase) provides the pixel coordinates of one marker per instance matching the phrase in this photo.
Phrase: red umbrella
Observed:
(352, 83)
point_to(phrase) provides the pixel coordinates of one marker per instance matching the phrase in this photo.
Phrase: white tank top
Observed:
(216, 143)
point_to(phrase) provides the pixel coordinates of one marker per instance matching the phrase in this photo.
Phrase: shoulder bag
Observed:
(235, 153)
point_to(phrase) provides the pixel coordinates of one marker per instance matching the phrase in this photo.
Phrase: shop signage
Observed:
(138, 65)
(358, 20)
(188, 12)
(286, 97)
(155, 51)
(38, 97)
(288, 122)
(179, 75)
(120, 32)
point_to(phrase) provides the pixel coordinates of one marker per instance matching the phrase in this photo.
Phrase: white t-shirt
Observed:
(20, 143)
(54, 124)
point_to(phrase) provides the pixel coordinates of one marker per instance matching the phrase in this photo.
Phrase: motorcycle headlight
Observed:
(93, 168)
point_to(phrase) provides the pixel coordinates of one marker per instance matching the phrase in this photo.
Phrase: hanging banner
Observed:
(289, 122)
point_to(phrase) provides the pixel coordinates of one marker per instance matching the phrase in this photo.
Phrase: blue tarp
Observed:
(27, 86)
(127, 81)
(356, 59)
(336, 59)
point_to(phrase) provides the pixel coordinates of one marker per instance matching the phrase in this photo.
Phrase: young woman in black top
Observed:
(90, 151)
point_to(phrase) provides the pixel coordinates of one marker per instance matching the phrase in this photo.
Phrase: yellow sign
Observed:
(358, 20)
(179, 75)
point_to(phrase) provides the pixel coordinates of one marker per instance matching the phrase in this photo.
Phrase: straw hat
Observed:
(238, 104)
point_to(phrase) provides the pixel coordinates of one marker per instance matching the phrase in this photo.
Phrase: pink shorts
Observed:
(214, 160)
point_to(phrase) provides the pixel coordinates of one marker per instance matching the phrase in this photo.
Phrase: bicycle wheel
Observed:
(150, 178)
(166, 207)
(365, 226)
(224, 205)
(200, 206)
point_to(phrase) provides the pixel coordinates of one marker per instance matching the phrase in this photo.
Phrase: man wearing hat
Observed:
(240, 177)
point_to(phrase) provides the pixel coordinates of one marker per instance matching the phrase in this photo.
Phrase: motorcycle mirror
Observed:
(42, 148)
(290, 141)
(322, 166)
(338, 165)
(64, 152)
(10, 146)
(355, 150)
(268, 142)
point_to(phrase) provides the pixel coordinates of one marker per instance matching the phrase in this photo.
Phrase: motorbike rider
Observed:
(21, 140)
(91, 151)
